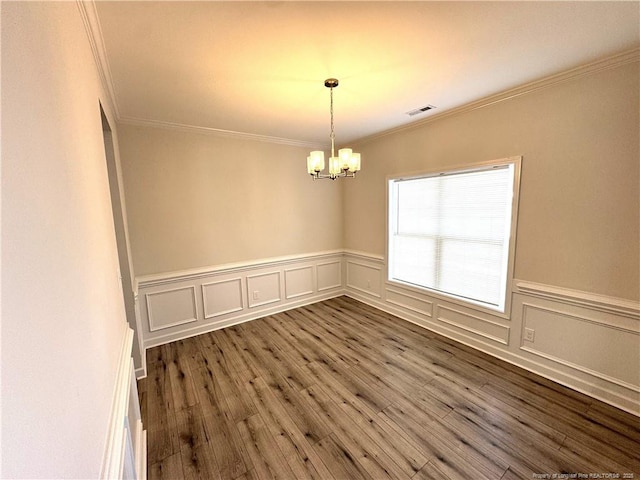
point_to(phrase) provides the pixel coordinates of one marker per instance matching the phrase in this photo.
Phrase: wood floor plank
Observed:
(230, 388)
(287, 367)
(266, 457)
(330, 374)
(327, 340)
(339, 461)
(402, 451)
(497, 418)
(575, 424)
(308, 421)
(429, 472)
(432, 361)
(162, 429)
(198, 463)
(339, 390)
(525, 463)
(464, 442)
(169, 468)
(425, 433)
(599, 461)
(617, 420)
(539, 386)
(233, 344)
(191, 427)
(180, 376)
(361, 447)
(302, 459)
(394, 389)
(367, 326)
(228, 448)
(405, 375)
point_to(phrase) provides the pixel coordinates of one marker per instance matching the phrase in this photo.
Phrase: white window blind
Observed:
(450, 232)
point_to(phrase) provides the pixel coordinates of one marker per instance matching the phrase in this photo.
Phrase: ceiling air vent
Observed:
(418, 111)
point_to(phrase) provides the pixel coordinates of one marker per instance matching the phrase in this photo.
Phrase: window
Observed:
(449, 232)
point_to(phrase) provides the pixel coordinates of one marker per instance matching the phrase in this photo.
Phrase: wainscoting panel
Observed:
(598, 348)
(583, 342)
(222, 297)
(263, 288)
(365, 278)
(298, 282)
(475, 324)
(410, 301)
(329, 275)
(187, 303)
(172, 307)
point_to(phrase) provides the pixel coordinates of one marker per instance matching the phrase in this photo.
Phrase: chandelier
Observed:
(346, 164)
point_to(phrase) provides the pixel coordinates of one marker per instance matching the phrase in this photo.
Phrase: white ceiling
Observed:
(259, 67)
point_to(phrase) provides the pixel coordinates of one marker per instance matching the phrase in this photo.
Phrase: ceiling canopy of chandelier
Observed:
(346, 164)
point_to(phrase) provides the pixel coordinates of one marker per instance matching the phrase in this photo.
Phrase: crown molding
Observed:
(614, 61)
(91, 22)
(141, 122)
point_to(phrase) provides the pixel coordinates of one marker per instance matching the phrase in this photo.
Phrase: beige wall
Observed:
(197, 200)
(579, 206)
(63, 320)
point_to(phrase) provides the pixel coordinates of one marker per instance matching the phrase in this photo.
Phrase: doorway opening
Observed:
(119, 223)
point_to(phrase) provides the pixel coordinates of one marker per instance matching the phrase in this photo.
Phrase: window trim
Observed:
(516, 161)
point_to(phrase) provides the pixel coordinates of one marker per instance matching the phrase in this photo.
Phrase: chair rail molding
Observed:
(618, 306)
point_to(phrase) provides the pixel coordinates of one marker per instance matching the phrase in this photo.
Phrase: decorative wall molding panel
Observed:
(474, 324)
(410, 301)
(172, 307)
(595, 351)
(298, 282)
(187, 303)
(364, 277)
(329, 275)
(598, 349)
(263, 288)
(222, 297)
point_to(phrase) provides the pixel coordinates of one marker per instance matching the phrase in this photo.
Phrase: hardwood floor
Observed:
(340, 390)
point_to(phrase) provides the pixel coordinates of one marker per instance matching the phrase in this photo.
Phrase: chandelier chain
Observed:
(331, 110)
(332, 136)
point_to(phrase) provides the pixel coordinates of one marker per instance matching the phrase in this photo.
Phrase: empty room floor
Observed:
(341, 390)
